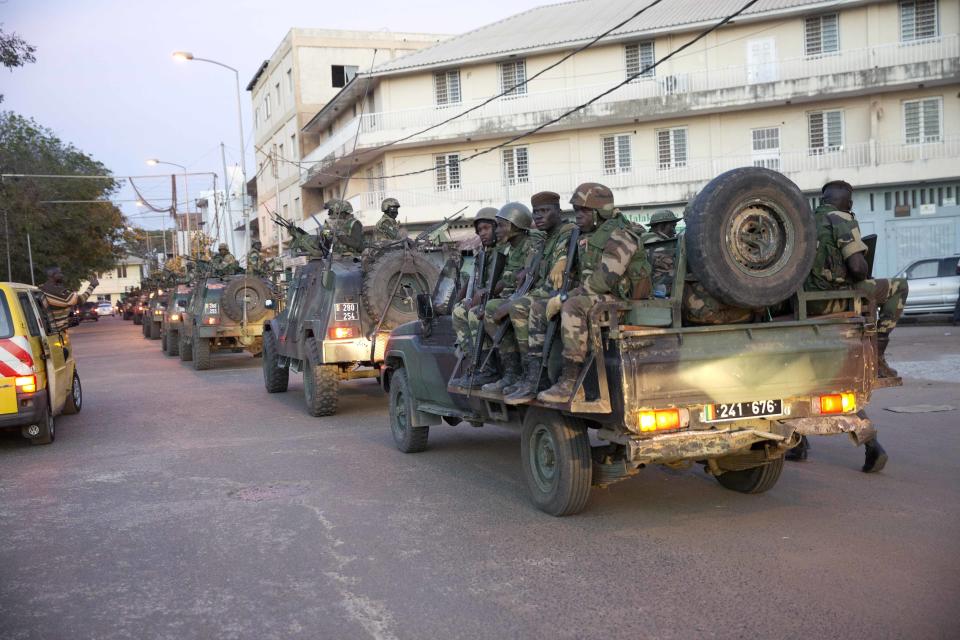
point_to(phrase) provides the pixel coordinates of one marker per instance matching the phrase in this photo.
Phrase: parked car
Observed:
(86, 311)
(934, 285)
(105, 309)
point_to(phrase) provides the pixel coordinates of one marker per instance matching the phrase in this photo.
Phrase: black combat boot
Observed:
(488, 373)
(875, 457)
(511, 374)
(526, 389)
(883, 369)
(799, 452)
(560, 393)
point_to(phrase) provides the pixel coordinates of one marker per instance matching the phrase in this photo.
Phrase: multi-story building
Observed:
(116, 282)
(860, 90)
(222, 213)
(308, 68)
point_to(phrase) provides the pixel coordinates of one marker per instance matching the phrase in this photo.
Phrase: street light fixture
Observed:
(186, 194)
(184, 56)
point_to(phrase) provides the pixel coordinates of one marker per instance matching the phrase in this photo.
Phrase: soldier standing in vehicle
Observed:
(466, 322)
(61, 299)
(255, 264)
(841, 264)
(223, 263)
(345, 228)
(388, 229)
(521, 243)
(528, 313)
(612, 267)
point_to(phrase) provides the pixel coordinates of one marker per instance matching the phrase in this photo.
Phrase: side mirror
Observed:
(425, 306)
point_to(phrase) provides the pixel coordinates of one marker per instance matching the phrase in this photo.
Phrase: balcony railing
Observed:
(694, 173)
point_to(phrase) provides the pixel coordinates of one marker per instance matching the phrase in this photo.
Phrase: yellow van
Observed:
(38, 373)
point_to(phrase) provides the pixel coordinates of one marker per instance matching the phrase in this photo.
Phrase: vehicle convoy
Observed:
(224, 314)
(177, 299)
(338, 315)
(138, 307)
(731, 397)
(38, 373)
(153, 314)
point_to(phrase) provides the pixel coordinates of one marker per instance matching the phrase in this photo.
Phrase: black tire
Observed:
(186, 348)
(321, 383)
(249, 291)
(417, 275)
(48, 431)
(409, 439)
(555, 453)
(173, 342)
(75, 398)
(155, 330)
(137, 319)
(164, 342)
(755, 480)
(201, 353)
(275, 378)
(750, 237)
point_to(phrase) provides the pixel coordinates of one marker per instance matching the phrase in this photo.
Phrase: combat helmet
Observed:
(593, 195)
(664, 215)
(518, 214)
(338, 207)
(487, 214)
(223, 247)
(389, 202)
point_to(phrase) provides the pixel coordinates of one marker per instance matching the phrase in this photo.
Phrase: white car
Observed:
(105, 309)
(934, 284)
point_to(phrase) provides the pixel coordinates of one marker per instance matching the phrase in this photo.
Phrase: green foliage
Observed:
(14, 51)
(83, 238)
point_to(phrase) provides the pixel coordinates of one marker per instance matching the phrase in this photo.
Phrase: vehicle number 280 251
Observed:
(738, 410)
(346, 311)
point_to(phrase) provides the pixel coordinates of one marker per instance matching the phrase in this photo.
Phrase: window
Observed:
(256, 117)
(297, 211)
(512, 76)
(921, 120)
(918, 20)
(887, 201)
(924, 269)
(672, 148)
(33, 325)
(448, 171)
(639, 57)
(342, 74)
(266, 106)
(826, 131)
(279, 95)
(949, 267)
(616, 154)
(766, 148)
(6, 323)
(290, 81)
(293, 146)
(446, 86)
(516, 165)
(122, 271)
(286, 212)
(376, 185)
(821, 35)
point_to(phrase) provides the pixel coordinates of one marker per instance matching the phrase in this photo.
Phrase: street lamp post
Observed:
(184, 56)
(186, 194)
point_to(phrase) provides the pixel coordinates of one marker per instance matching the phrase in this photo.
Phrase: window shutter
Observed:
(440, 87)
(453, 85)
(830, 34)
(931, 120)
(813, 42)
(911, 122)
(815, 130)
(441, 172)
(663, 148)
(623, 146)
(918, 19)
(453, 170)
(609, 156)
(513, 74)
(523, 168)
(680, 147)
(639, 56)
(509, 172)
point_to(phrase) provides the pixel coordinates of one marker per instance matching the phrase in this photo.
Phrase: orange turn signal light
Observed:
(211, 320)
(837, 403)
(174, 317)
(27, 384)
(341, 333)
(660, 420)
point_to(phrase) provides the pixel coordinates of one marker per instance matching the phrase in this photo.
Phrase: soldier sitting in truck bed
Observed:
(343, 227)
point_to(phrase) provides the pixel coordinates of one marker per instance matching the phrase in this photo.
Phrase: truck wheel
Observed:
(165, 342)
(417, 275)
(245, 291)
(755, 480)
(154, 330)
(750, 237)
(48, 432)
(201, 353)
(173, 342)
(275, 378)
(555, 452)
(186, 348)
(75, 399)
(321, 387)
(409, 439)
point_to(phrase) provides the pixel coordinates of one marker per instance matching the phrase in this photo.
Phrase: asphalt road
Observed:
(182, 504)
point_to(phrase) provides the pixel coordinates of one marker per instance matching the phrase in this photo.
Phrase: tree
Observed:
(14, 51)
(81, 237)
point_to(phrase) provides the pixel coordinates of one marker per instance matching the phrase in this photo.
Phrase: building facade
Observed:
(222, 213)
(308, 68)
(115, 283)
(860, 90)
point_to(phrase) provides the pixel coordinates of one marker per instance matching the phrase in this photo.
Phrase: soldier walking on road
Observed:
(612, 267)
(61, 299)
(528, 313)
(841, 264)
(466, 321)
(388, 229)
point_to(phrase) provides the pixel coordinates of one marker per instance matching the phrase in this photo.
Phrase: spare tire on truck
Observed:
(246, 291)
(416, 274)
(751, 238)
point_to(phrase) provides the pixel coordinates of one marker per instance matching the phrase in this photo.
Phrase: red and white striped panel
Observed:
(15, 357)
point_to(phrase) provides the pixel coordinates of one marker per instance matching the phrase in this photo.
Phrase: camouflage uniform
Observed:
(223, 263)
(343, 226)
(388, 229)
(519, 257)
(838, 238)
(466, 322)
(255, 264)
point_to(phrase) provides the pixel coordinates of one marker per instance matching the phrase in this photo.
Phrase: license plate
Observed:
(211, 309)
(723, 412)
(346, 311)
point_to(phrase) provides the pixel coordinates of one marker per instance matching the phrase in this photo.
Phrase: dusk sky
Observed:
(104, 79)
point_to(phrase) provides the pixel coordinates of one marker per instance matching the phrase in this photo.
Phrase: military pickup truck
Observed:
(155, 307)
(731, 397)
(177, 299)
(225, 314)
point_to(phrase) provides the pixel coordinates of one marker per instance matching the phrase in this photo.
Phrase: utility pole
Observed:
(6, 234)
(226, 195)
(30, 256)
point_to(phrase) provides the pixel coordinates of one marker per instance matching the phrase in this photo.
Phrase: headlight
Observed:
(268, 303)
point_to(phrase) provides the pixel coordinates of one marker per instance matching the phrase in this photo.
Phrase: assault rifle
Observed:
(479, 262)
(553, 326)
(437, 226)
(522, 290)
(301, 240)
(496, 270)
